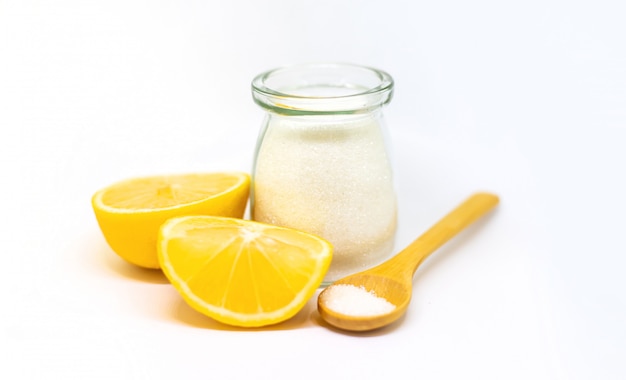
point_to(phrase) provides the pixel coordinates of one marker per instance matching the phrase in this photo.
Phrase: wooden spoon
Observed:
(393, 279)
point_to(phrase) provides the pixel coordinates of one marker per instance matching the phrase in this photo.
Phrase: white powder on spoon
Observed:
(355, 301)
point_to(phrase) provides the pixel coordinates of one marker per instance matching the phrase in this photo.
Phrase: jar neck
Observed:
(325, 118)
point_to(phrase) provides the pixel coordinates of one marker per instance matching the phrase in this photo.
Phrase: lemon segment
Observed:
(240, 272)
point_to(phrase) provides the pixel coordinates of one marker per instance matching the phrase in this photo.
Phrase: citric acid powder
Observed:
(331, 178)
(355, 301)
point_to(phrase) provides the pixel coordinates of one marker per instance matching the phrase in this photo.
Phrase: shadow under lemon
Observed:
(181, 312)
(126, 270)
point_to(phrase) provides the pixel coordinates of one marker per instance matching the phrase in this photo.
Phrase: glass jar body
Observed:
(329, 174)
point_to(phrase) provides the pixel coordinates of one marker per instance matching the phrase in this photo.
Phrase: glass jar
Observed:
(321, 162)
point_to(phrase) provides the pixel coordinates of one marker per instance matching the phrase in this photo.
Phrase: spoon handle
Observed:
(408, 260)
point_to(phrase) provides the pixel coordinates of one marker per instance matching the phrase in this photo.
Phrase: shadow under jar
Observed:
(321, 162)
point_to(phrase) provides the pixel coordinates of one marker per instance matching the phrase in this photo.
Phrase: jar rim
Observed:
(322, 88)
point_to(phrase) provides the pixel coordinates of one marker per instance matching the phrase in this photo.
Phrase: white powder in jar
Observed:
(355, 301)
(330, 177)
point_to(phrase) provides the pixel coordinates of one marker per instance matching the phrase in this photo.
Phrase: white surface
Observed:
(527, 99)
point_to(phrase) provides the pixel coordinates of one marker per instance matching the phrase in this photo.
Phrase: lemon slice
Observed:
(240, 272)
(130, 212)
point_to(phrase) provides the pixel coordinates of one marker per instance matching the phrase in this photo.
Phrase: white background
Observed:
(525, 99)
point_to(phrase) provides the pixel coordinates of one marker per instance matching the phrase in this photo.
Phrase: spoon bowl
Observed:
(393, 279)
(395, 292)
